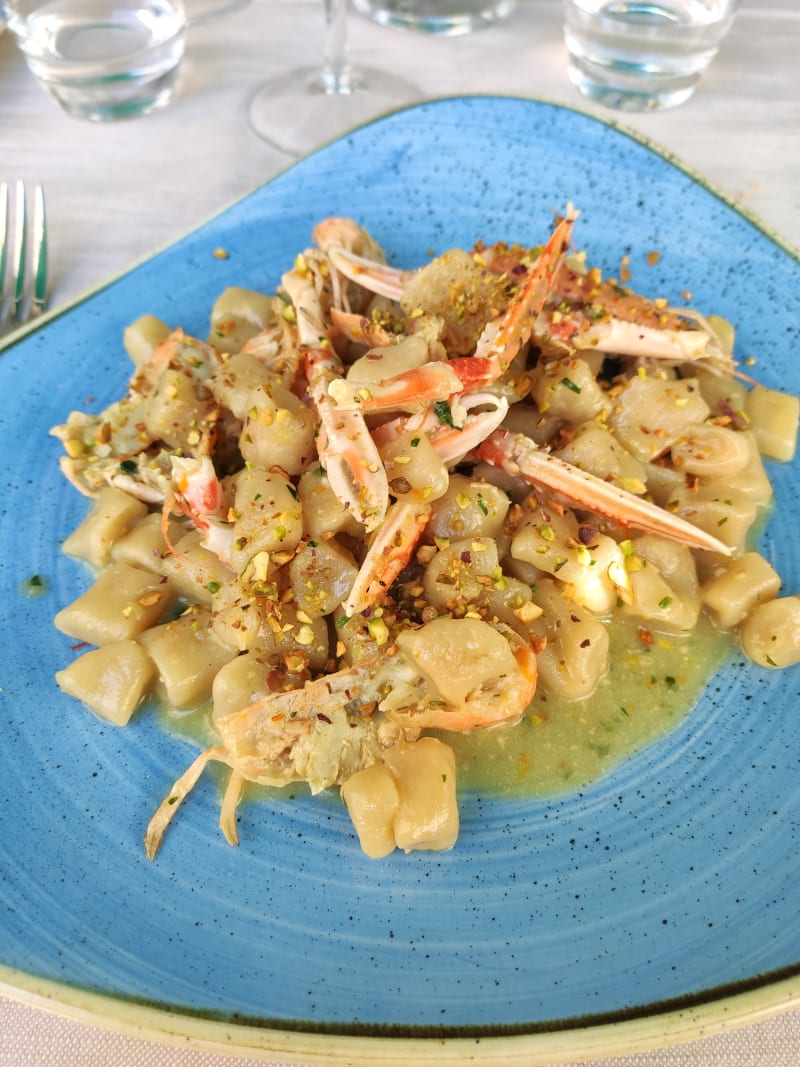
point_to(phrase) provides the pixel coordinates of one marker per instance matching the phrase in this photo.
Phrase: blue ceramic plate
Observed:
(657, 904)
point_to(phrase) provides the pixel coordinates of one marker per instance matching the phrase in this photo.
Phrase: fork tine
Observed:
(39, 264)
(20, 249)
(3, 236)
(26, 295)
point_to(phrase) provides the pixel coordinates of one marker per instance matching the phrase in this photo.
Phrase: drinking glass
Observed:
(643, 56)
(449, 18)
(302, 108)
(207, 10)
(101, 59)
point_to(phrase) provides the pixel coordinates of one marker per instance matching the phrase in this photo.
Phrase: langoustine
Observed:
(451, 675)
(581, 311)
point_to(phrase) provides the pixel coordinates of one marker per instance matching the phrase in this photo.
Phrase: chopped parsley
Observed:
(444, 413)
(34, 586)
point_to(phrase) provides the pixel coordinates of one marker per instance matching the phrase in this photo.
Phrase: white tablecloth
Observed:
(116, 192)
(29, 1038)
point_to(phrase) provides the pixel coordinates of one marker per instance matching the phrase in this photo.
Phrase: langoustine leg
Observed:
(520, 456)
(346, 449)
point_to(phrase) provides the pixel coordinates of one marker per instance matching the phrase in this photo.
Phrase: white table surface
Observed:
(118, 191)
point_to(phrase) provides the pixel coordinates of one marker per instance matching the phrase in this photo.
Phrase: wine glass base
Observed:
(207, 10)
(304, 108)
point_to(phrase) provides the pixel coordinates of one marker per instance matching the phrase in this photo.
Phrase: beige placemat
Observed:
(32, 1038)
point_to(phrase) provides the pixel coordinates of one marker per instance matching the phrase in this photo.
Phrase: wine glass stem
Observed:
(337, 76)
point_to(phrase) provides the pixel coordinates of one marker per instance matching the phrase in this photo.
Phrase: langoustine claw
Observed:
(346, 449)
(198, 493)
(500, 342)
(583, 311)
(520, 456)
(398, 536)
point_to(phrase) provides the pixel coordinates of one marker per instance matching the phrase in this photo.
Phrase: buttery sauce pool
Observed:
(559, 746)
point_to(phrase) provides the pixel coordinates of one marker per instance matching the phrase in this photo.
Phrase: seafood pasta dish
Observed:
(380, 513)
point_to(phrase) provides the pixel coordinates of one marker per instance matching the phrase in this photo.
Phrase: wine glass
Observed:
(301, 109)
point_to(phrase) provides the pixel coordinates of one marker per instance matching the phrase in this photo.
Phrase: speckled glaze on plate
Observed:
(656, 905)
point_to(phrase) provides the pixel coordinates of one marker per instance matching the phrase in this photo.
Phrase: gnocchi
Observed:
(375, 510)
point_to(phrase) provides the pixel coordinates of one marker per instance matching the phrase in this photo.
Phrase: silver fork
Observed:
(27, 292)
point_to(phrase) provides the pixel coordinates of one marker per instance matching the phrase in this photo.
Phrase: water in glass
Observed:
(643, 56)
(103, 59)
(446, 17)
